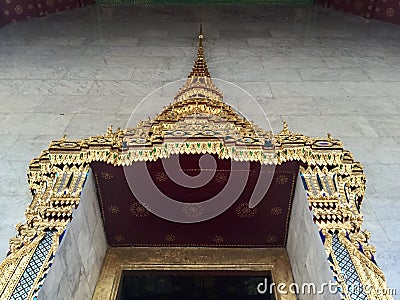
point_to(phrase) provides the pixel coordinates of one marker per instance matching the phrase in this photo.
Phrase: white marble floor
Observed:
(322, 71)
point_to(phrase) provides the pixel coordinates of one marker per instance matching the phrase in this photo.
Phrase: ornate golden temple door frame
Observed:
(334, 185)
(254, 260)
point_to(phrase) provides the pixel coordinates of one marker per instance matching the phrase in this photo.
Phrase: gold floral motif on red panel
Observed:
(113, 209)
(139, 210)
(276, 211)
(245, 212)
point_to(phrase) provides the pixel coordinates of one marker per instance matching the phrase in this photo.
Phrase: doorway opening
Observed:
(195, 284)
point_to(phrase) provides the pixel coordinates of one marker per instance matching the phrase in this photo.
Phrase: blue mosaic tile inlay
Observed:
(353, 282)
(28, 277)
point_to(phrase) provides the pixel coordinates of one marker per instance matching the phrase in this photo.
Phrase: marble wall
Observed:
(79, 71)
(79, 258)
(305, 250)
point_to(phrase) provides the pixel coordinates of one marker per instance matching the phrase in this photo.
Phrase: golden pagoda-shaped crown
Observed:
(199, 83)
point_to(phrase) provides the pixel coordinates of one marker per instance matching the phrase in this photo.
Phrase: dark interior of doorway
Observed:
(191, 285)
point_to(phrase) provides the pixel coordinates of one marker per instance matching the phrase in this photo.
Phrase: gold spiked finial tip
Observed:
(200, 68)
(201, 33)
(199, 83)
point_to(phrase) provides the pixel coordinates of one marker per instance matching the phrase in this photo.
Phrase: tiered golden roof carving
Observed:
(198, 121)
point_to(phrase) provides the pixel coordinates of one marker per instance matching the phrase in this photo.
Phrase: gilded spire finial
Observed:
(201, 36)
(200, 66)
(199, 83)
